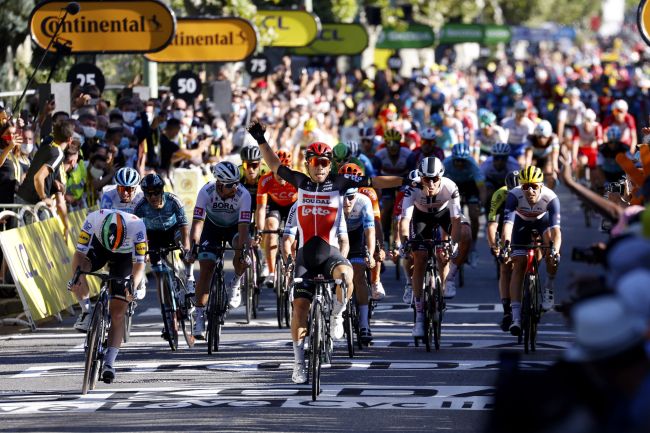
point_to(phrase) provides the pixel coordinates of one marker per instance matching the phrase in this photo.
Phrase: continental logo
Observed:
(108, 26)
(209, 40)
(84, 238)
(141, 249)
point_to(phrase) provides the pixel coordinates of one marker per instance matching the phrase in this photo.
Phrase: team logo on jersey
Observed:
(140, 237)
(88, 227)
(198, 212)
(219, 205)
(245, 215)
(354, 178)
(316, 199)
(84, 238)
(318, 211)
(141, 248)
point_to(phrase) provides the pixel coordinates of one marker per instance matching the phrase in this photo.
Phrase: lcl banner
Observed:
(336, 39)
(107, 26)
(290, 28)
(209, 40)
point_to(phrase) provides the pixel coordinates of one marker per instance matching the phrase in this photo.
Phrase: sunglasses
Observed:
(350, 197)
(252, 165)
(529, 186)
(434, 179)
(128, 189)
(229, 185)
(319, 162)
(153, 192)
(617, 111)
(500, 157)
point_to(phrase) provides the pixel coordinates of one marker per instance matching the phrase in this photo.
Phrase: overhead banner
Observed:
(337, 39)
(414, 36)
(290, 28)
(546, 33)
(476, 33)
(209, 40)
(107, 26)
(643, 20)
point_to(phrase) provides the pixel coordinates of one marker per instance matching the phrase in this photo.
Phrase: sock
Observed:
(85, 305)
(338, 308)
(419, 308)
(506, 305)
(363, 316)
(111, 354)
(516, 310)
(299, 351)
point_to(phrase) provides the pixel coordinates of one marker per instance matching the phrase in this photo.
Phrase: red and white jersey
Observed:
(588, 139)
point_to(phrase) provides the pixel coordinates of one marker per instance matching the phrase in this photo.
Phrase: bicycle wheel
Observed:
(92, 350)
(439, 309)
(215, 303)
(250, 289)
(349, 330)
(168, 311)
(536, 303)
(526, 311)
(287, 286)
(428, 304)
(278, 284)
(315, 347)
(183, 315)
(355, 323)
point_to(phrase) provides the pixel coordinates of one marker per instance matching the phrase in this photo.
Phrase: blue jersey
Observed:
(361, 214)
(369, 170)
(170, 216)
(471, 172)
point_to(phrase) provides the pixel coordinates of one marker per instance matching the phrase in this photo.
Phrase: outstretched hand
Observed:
(565, 165)
(257, 130)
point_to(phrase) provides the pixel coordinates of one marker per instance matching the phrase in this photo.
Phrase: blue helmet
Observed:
(614, 133)
(436, 119)
(460, 151)
(127, 176)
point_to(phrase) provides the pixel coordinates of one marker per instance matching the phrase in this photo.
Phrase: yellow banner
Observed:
(187, 184)
(209, 40)
(290, 28)
(40, 262)
(107, 26)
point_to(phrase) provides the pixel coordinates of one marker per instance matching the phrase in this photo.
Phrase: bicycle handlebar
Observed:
(102, 276)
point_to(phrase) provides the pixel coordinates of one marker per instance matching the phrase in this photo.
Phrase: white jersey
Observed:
(499, 135)
(447, 197)
(517, 204)
(223, 212)
(361, 214)
(134, 234)
(572, 115)
(111, 199)
(518, 132)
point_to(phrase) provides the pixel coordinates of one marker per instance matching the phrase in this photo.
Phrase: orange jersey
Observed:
(372, 195)
(282, 195)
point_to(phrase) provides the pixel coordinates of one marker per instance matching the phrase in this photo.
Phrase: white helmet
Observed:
(620, 105)
(543, 129)
(226, 172)
(590, 115)
(428, 133)
(431, 167)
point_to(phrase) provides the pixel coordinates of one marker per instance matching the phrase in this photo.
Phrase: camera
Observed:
(616, 187)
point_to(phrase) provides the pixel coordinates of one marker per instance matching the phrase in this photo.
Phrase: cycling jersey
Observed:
(135, 236)
(517, 205)
(416, 156)
(223, 212)
(497, 204)
(170, 216)
(283, 195)
(252, 190)
(627, 126)
(374, 199)
(499, 135)
(470, 173)
(540, 151)
(497, 177)
(361, 214)
(291, 224)
(585, 138)
(572, 114)
(111, 199)
(447, 197)
(386, 165)
(517, 133)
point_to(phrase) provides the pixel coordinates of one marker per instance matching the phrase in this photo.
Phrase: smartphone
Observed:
(93, 101)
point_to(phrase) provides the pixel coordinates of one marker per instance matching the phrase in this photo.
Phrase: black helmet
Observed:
(152, 182)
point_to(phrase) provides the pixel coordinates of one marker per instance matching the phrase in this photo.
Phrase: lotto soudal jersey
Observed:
(291, 225)
(223, 212)
(447, 197)
(318, 211)
(282, 195)
(518, 205)
(130, 236)
(361, 214)
(111, 199)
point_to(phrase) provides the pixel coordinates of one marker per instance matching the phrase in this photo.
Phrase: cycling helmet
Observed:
(414, 175)
(620, 105)
(501, 149)
(152, 182)
(309, 125)
(353, 146)
(431, 167)
(614, 133)
(460, 151)
(341, 152)
(521, 106)
(284, 157)
(127, 176)
(487, 118)
(573, 91)
(531, 174)
(543, 129)
(226, 172)
(428, 134)
(392, 135)
(515, 89)
(351, 168)
(250, 153)
(512, 179)
(113, 231)
(319, 149)
(367, 133)
(436, 119)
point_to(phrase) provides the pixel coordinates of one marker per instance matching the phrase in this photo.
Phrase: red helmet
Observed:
(284, 157)
(351, 168)
(319, 149)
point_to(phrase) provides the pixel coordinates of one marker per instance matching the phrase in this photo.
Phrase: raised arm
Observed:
(257, 130)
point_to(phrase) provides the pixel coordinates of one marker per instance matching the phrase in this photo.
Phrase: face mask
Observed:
(217, 134)
(185, 129)
(178, 114)
(150, 116)
(124, 143)
(89, 131)
(129, 116)
(27, 148)
(100, 134)
(162, 125)
(97, 173)
(293, 122)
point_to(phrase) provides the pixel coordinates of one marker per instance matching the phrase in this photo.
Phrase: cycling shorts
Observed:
(522, 232)
(517, 150)
(424, 224)
(213, 236)
(357, 245)
(468, 192)
(119, 265)
(591, 153)
(274, 210)
(159, 239)
(317, 257)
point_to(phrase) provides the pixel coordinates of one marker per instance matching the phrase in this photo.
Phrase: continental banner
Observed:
(108, 26)
(290, 28)
(209, 40)
(40, 262)
(336, 39)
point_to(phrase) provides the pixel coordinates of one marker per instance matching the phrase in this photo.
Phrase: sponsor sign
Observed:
(290, 28)
(336, 39)
(477, 33)
(643, 20)
(82, 74)
(107, 26)
(414, 36)
(209, 40)
(258, 65)
(186, 85)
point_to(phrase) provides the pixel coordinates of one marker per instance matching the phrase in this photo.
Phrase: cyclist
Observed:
(280, 196)
(251, 171)
(518, 127)
(543, 151)
(494, 227)
(607, 169)
(530, 206)
(222, 214)
(496, 167)
(318, 213)
(164, 216)
(349, 152)
(428, 147)
(571, 115)
(125, 194)
(587, 137)
(489, 133)
(435, 202)
(625, 122)
(118, 239)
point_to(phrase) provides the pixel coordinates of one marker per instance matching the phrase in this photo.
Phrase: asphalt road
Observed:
(390, 387)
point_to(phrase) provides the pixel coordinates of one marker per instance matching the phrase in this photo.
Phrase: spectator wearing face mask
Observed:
(171, 151)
